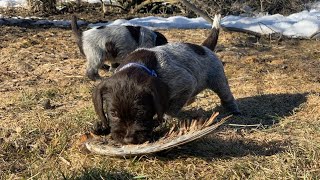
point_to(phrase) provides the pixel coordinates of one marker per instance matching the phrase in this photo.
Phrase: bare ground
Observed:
(277, 85)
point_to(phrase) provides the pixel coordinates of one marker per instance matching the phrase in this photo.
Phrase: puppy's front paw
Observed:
(100, 129)
(236, 113)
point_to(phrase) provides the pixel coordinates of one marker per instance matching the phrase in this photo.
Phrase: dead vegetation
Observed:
(277, 85)
(105, 9)
(236, 7)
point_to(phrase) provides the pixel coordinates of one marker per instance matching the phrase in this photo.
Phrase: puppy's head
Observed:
(131, 116)
(131, 105)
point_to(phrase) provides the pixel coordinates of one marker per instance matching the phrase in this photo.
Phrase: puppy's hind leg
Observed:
(113, 67)
(94, 63)
(92, 72)
(219, 84)
(105, 67)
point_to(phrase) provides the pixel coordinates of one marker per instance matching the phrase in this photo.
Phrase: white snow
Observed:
(12, 3)
(315, 5)
(303, 24)
(174, 22)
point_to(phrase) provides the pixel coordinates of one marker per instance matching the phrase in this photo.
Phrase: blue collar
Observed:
(151, 72)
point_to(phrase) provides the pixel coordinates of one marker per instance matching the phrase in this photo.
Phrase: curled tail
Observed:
(77, 33)
(212, 39)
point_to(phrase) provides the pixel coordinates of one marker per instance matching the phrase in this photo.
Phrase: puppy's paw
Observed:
(100, 129)
(93, 74)
(236, 113)
(105, 67)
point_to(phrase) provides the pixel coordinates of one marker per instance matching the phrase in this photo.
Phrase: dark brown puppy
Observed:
(132, 97)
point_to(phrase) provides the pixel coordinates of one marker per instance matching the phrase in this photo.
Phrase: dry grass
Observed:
(277, 85)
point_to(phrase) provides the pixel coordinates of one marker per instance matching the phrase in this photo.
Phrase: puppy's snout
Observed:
(135, 137)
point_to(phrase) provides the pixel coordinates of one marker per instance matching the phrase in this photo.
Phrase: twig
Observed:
(275, 32)
(267, 27)
(117, 6)
(197, 10)
(235, 29)
(64, 160)
(238, 78)
(243, 125)
(315, 35)
(138, 7)
(32, 177)
(74, 76)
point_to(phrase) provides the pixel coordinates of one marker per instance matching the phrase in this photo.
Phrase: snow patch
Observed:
(303, 24)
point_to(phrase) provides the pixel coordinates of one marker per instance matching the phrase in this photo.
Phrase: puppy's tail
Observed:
(212, 39)
(77, 33)
(97, 99)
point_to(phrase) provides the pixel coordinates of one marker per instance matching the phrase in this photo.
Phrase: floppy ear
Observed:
(159, 93)
(160, 39)
(97, 99)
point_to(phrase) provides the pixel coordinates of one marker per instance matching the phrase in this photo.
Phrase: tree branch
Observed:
(197, 11)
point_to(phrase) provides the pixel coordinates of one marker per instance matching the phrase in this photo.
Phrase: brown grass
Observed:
(277, 85)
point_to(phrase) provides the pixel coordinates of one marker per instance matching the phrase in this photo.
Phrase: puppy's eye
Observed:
(140, 113)
(114, 114)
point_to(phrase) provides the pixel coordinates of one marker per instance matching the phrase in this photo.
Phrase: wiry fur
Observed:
(187, 73)
(133, 96)
(212, 39)
(183, 72)
(112, 44)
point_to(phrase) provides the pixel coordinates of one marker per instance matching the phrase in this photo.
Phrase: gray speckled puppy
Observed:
(112, 43)
(159, 81)
(155, 81)
(187, 69)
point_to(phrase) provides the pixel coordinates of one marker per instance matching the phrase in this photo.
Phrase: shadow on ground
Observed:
(214, 147)
(102, 174)
(263, 109)
(267, 109)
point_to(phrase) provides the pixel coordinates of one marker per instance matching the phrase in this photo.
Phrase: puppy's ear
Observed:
(159, 93)
(97, 99)
(161, 39)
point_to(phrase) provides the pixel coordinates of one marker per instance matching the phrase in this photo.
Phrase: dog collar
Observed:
(151, 72)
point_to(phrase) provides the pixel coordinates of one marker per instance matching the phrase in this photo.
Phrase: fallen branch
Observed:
(235, 29)
(205, 16)
(244, 125)
(140, 6)
(116, 6)
(315, 35)
(195, 9)
(104, 7)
